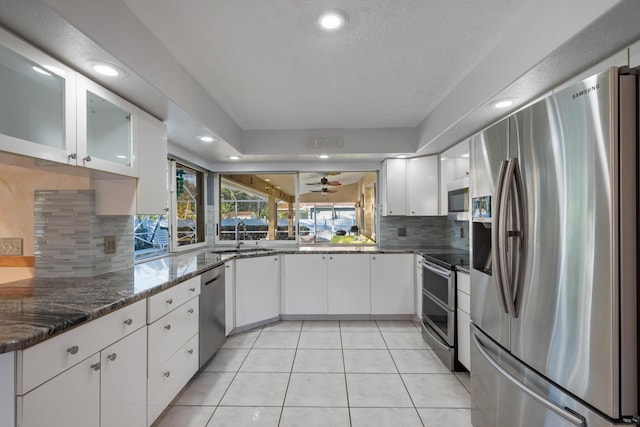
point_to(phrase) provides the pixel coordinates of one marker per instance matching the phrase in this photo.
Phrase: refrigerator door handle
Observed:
(521, 235)
(513, 380)
(496, 244)
(511, 280)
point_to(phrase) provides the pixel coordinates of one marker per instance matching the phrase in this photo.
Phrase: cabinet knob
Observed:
(170, 301)
(373, 257)
(168, 327)
(330, 257)
(72, 156)
(73, 350)
(192, 289)
(227, 266)
(96, 366)
(167, 374)
(112, 356)
(128, 322)
(324, 257)
(87, 158)
(190, 351)
(190, 311)
(413, 212)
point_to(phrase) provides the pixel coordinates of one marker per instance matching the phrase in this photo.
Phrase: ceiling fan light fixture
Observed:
(332, 20)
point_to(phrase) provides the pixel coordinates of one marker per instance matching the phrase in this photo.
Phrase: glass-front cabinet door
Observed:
(37, 103)
(107, 126)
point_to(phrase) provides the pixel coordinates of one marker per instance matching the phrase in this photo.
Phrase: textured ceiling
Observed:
(270, 67)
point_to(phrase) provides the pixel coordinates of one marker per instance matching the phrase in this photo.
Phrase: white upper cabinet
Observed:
(49, 111)
(410, 187)
(422, 186)
(107, 126)
(394, 187)
(37, 102)
(153, 187)
(454, 165)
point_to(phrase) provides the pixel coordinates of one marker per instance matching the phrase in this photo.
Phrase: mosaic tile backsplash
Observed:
(69, 237)
(423, 231)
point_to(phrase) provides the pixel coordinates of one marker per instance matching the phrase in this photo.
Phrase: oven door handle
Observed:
(436, 269)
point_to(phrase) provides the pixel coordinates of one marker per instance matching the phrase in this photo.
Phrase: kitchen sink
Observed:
(242, 251)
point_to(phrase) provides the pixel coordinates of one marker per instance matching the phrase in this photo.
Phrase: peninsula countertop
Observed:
(33, 310)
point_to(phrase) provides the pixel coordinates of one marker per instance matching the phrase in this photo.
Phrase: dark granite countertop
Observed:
(34, 310)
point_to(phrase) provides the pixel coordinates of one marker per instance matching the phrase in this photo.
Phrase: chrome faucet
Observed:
(238, 243)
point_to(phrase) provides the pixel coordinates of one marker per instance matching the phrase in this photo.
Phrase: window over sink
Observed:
(306, 207)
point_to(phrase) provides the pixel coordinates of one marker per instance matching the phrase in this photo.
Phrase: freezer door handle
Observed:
(571, 418)
(496, 244)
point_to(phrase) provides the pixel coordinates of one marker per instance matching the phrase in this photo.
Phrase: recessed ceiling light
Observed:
(207, 138)
(41, 71)
(234, 157)
(121, 156)
(267, 180)
(332, 20)
(105, 69)
(401, 156)
(323, 156)
(465, 155)
(503, 103)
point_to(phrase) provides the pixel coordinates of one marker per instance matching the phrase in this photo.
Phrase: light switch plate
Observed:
(11, 246)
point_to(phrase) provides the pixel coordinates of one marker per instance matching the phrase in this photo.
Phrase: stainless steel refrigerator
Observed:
(554, 191)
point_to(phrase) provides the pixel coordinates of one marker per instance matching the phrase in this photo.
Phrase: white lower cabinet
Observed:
(257, 289)
(71, 399)
(464, 319)
(305, 284)
(123, 382)
(392, 284)
(107, 388)
(172, 344)
(418, 286)
(349, 284)
(169, 377)
(229, 297)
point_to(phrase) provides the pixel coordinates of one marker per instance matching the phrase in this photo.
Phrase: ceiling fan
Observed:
(324, 190)
(325, 181)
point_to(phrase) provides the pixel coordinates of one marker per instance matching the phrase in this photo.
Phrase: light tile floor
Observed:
(324, 373)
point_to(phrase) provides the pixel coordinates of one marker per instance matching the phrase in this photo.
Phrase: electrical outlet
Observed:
(110, 244)
(402, 231)
(461, 232)
(11, 246)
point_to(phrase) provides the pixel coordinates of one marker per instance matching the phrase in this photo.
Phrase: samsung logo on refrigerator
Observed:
(586, 91)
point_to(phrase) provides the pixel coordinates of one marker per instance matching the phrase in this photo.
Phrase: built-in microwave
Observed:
(458, 199)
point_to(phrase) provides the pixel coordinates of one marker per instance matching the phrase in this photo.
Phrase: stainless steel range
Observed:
(439, 304)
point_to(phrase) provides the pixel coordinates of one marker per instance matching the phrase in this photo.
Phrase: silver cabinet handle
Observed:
(190, 351)
(167, 374)
(128, 322)
(168, 327)
(112, 356)
(190, 311)
(72, 156)
(73, 350)
(87, 158)
(96, 366)
(170, 301)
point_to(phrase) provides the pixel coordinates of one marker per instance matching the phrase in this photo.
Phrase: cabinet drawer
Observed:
(43, 361)
(464, 302)
(167, 379)
(162, 303)
(463, 282)
(168, 334)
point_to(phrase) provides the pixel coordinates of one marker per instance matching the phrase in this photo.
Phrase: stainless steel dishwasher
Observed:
(212, 316)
